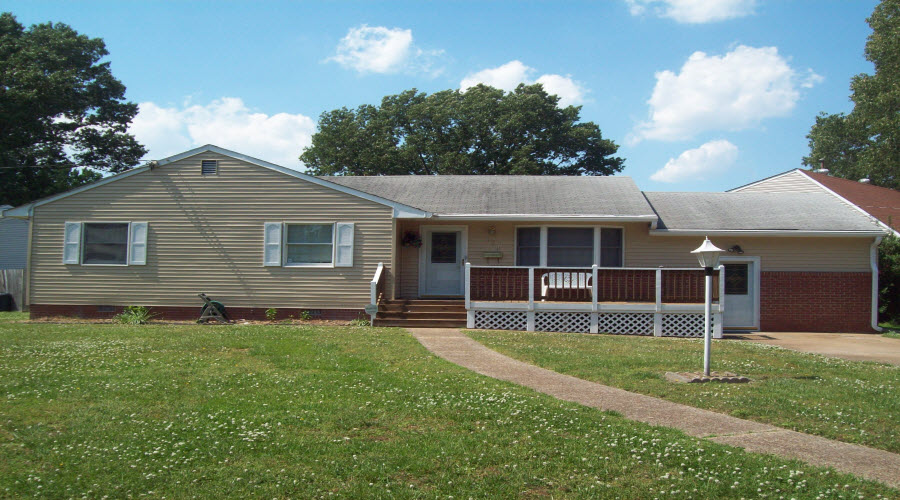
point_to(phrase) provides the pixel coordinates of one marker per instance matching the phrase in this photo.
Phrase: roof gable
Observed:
(400, 210)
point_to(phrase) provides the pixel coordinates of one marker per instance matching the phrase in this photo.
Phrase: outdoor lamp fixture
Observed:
(708, 256)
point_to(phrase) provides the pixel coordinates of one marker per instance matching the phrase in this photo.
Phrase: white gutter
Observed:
(763, 232)
(530, 217)
(873, 261)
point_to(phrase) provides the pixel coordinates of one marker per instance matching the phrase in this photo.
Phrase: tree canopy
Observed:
(866, 142)
(59, 107)
(482, 130)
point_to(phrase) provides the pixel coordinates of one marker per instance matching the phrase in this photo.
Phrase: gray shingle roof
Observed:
(757, 211)
(616, 196)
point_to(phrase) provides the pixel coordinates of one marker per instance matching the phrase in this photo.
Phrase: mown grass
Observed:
(849, 401)
(284, 411)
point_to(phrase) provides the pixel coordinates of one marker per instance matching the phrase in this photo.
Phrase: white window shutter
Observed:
(272, 244)
(343, 255)
(72, 243)
(137, 244)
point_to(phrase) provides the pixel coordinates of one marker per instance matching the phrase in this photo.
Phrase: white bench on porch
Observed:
(565, 280)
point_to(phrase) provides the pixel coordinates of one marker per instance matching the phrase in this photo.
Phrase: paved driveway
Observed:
(853, 346)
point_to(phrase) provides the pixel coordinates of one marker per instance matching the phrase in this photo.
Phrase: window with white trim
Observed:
(309, 244)
(528, 246)
(611, 246)
(569, 246)
(105, 243)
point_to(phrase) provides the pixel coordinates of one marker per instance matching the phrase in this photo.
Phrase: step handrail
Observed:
(373, 295)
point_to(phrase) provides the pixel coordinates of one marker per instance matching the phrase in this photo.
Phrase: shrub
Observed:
(305, 315)
(359, 322)
(271, 313)
(889, 280)
(135, 315)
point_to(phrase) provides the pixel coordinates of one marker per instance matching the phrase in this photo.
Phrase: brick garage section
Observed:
(189, 313)
(815, 302)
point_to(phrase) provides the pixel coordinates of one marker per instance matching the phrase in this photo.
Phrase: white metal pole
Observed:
(707, 333)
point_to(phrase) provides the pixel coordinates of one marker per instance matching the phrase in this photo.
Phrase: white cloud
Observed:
(710, 159)
(508, 76)
(225, 122)
(693, 11)
(377, 49)
(731, 92)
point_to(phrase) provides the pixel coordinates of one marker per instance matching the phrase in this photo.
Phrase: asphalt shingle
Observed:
(616, 196)
(757, 211)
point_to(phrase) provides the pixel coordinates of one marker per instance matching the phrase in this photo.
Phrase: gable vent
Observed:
(209, 167)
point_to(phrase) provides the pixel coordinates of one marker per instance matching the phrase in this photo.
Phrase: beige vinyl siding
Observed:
(206, 235)
(642, 250)
(776, 253)
(791, 182)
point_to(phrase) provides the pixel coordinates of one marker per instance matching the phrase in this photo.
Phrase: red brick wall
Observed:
(189, 313)
(815, 302)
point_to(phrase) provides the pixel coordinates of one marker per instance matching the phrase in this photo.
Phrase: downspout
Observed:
(873, 260)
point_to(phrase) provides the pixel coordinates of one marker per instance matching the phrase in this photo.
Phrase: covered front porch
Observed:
(531, 275)
(663, 302)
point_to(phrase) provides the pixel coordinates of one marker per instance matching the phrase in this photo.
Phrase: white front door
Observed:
(740, 294)
(443, 262)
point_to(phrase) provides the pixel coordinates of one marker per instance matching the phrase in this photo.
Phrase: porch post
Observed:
(594, 319)
(468, 286)
(470, 314)
(657, 315)
(720, 316)
(529, 315)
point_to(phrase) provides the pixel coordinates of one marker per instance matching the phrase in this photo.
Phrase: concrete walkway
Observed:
(457, 348)
(852, 346)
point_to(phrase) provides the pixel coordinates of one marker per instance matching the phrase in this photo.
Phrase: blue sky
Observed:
(699, 94)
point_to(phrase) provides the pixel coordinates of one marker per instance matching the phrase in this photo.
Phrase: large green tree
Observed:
(866, 142)
(482, 130)
(60, 107)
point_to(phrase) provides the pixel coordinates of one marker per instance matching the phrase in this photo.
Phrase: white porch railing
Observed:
(645, 301)
(375, 286)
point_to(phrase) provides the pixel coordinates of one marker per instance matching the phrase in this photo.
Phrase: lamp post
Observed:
(708, 255)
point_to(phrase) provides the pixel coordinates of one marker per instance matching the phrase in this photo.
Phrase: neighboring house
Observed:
(13, 256)
(13, 241)
(517, 252)
(881, 203)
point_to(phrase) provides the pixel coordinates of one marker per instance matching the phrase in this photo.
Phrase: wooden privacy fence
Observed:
(681, 286)
(12, 281)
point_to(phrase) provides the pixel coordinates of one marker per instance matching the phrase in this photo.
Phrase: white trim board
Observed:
(761, 232)
(400, 210)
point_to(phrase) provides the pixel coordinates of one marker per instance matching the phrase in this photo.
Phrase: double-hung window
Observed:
(528, 246)
(105, 243)
(309, 244)
(569, 246)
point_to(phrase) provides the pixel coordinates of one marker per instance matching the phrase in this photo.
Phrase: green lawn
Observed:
(849, 401)
(93, 410)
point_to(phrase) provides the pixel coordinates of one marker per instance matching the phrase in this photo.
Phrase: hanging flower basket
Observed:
(411, 239)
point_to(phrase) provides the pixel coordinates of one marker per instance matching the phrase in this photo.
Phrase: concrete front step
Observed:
(419, 308)
(421, 323)
(461, 316)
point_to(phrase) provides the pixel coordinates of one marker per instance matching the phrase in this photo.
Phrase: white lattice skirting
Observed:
(625, 323)
(501, 320)
(684, 325)
(638, 323)
(562, 322)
